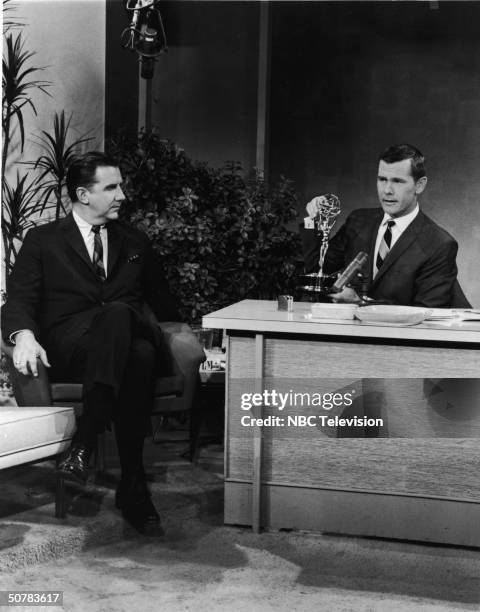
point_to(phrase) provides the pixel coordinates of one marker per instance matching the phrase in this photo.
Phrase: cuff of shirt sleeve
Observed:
(11, 337)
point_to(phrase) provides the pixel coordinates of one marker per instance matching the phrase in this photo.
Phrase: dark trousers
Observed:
(116, 362)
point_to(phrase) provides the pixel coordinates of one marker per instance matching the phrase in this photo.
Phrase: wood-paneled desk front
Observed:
(414, 477)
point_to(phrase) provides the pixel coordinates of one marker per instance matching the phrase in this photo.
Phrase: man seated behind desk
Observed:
(412, 260)
(76, 294)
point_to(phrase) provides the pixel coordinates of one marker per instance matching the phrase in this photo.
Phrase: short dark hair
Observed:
(400, 152)
(81, 172)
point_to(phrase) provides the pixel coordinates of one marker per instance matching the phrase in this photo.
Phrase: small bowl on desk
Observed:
(394, 315)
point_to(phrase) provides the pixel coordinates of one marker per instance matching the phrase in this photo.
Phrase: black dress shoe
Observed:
(134, 500)
(74, 465)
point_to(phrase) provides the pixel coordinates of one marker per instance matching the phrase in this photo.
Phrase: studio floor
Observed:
(101, 564)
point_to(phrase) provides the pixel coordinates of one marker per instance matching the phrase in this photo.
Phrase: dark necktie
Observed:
(98, 253)
(385, 244)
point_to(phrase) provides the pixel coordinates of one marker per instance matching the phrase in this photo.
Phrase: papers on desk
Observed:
(390, 314)
(333, 311)
(453, 314)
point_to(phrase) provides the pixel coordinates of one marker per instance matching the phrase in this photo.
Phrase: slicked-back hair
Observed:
(400, 152)
(81, 172)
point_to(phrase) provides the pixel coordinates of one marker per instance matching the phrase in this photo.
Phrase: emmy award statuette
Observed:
(318, 284)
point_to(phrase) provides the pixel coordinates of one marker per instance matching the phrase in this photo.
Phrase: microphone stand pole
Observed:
(144, 101)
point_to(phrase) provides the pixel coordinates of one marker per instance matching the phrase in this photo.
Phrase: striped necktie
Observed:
(98, 253)
(384, 248)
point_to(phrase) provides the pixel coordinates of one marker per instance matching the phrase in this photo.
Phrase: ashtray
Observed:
(398, 315)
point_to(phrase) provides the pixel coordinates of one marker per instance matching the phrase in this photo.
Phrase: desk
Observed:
(414, 478)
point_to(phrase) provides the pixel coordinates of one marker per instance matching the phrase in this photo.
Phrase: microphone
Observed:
(145, 34)
(349, 272)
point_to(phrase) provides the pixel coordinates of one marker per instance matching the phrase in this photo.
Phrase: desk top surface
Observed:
(263, 316)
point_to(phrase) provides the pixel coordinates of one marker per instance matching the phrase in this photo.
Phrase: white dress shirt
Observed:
(401, 224)
(89, 237)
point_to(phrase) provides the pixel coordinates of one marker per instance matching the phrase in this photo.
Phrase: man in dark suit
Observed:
(412, 260)
(76, 294)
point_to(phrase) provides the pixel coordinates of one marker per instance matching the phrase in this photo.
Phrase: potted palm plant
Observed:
(18, 84)
(59, 151)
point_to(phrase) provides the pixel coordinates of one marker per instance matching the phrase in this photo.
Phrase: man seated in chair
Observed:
(75, 300)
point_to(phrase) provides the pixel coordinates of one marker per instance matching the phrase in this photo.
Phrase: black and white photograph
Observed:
(240, 305)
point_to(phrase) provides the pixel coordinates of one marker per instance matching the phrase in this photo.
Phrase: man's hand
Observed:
(313, 207)
(26, 351)
(347, 295)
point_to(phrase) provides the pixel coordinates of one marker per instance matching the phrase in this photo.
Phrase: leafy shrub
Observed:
(221, 237)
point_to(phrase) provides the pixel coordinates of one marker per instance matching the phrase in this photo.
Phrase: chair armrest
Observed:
(183, 346)
(180, 342)
(186, 354)
(28, 390)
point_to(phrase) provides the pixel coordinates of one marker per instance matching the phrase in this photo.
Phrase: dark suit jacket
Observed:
(420, 269)
(53, 289)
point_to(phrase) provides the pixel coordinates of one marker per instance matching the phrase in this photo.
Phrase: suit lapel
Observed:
(74, 240)
(403, 243)
(115, 240)
(371, 239)
(373, 234)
